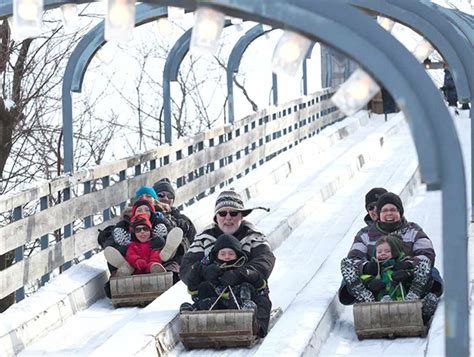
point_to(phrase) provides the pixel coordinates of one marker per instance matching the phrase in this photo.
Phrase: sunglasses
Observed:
(224, 213)
(142, 229)
(371, 206)
(165, 194)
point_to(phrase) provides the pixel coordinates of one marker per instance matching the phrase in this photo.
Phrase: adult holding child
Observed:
(229, 214)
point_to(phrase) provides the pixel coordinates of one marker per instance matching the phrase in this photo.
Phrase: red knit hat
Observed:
(140, 220)
(142, 203)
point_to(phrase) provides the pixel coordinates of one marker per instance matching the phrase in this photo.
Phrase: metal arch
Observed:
(77, 66)
(170, 73)
(233, 63)
(6, 10)
(463, 22)
(421, 23)
(390, 62)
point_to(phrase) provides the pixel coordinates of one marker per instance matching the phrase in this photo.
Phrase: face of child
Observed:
(383, 252)
(143, 209)
(142, 233)
(147, 197)
(226, 255)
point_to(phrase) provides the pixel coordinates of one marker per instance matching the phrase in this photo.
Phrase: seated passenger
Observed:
(416, 245)
(229, 216)
(207, 281)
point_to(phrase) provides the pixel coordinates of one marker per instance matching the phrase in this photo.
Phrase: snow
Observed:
(306, 275)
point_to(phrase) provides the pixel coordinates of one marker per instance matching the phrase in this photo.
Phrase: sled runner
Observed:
(389, 319)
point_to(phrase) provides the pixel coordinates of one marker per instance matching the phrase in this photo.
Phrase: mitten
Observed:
(401, 276)
(249, 275)
(230, 278)
(371, 268)
(376, 285)
(403, 265)
(140, 264)
(211, 272)
(194, 276)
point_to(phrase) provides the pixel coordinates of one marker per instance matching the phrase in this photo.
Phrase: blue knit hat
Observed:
(145, 189)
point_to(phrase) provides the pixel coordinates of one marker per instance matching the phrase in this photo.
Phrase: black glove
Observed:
(230, 278)
(376, 285)
(211, 272)
(401, 276)
(194, 276)
(249, 275)
(371, 268)
(403, 265)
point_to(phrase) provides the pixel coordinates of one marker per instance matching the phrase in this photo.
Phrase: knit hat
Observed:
(373, 195)
(392, 198)
(395, 242)
(140, 220)
(142, 203)
(231, 199)
(226, 241)
(164, 185)
(146, 190)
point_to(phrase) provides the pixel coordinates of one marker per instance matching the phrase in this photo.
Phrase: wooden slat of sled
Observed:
(214, 329)
(389, 319)
(139, 289)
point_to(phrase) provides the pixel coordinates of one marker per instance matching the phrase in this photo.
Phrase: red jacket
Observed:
(142, 251)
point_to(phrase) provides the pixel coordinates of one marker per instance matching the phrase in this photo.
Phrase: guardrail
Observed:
(93, 198)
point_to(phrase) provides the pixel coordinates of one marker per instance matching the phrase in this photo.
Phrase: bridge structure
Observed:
(93, 198)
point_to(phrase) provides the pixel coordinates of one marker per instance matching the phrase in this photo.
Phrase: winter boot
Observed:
(173, 239)
(157, 268)
(117, 260)
(205, 304)
(246, 292)
(386, 298)
(430, 303)
(354, 284)
(421, 273)
(186, 307)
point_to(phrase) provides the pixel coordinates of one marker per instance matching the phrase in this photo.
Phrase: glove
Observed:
(211, 272)
(401, 276)
(403, 265)
(140, 264)
(376, 285)
(371, 268)
(249, 275)
(230, 278)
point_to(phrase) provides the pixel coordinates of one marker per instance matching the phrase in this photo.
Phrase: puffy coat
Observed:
(142, 251)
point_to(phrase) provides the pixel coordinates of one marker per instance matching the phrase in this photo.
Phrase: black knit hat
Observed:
(392, 198)
(164, 185)
(226, 241)
(373, 195)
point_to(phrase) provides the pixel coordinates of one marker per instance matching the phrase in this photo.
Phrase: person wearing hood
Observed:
(206, 282)
(229, 219)
(426, 284)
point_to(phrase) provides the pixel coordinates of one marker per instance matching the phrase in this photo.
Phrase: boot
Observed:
(205, 304)
(173, 239)
(421, 273)
(386, 298)
(185, 307)
(117, 260)
(430, 303)
(157, 268)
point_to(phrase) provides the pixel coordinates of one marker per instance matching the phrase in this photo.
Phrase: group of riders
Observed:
(227, 265)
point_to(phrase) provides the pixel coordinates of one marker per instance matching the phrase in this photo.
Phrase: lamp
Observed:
(27, 18)
(175, 13)
(119, 20)
(386, 23)
(423, 50)
(208, 25)
(356, 92)
(289, 53)
(70, 18)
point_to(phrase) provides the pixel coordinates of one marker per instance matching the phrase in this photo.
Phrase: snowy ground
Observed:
(306, 274)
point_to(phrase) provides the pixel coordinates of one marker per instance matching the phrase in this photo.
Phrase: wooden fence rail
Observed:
(197, 164)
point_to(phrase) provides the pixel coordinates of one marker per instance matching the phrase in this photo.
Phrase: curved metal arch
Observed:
(233, 63)
(77, 65)
(463, 22)
(387, 60)
(170, 73)
(423, 24)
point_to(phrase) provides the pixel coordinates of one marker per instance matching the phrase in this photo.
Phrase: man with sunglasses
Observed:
(164, 203)
(229, 214)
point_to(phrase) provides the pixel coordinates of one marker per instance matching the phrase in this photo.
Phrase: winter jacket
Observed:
(142, 251)
(253, 243)
(386, 271)
(449, 88)
(415, 242)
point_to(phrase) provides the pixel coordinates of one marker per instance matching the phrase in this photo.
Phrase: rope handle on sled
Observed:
(222, 294)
